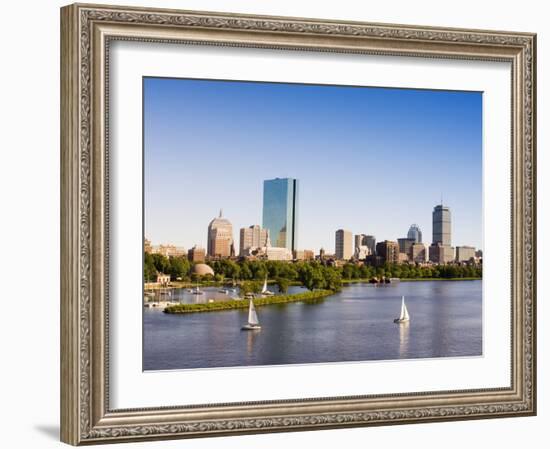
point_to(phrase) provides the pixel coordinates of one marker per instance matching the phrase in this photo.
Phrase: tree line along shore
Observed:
(313, 275)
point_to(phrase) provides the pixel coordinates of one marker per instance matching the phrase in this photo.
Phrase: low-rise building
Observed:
(375, 260)
(163, 279)
(418, 253)
(465, 253)
(405, 245)
(388, 250)
(168, 250)
(274, 253)
(441, 254)
(196, 254)
(304, 254)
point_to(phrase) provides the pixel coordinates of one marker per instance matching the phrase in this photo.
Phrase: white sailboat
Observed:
(404, 316)
(253, 322)
(265, 291)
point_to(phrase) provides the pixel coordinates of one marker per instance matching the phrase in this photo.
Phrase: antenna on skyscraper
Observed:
(221, 211)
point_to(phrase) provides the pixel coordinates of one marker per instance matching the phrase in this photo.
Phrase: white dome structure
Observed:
(201, 269)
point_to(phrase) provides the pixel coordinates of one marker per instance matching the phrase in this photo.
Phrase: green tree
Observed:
(178, 267)
(149, 270)
(251, 287)
(283, 284)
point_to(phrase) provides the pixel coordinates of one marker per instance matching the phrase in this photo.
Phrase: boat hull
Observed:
(399, 321)
(251, 327)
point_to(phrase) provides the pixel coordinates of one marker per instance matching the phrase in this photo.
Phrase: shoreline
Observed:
(180, 284)
(243, 304)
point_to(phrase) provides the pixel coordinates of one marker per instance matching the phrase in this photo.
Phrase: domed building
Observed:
(201, 269)
(220, 237)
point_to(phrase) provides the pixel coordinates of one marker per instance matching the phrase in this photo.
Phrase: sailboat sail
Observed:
(264, 288)
(252, 315)
(404, 312)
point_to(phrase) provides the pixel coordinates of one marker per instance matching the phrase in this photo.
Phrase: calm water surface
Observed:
(353, 325)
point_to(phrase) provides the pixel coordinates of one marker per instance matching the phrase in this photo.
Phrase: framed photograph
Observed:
(280, 224)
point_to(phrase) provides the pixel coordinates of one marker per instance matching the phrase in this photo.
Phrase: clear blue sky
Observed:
(370, 160)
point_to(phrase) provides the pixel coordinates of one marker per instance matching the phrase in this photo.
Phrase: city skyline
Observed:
(333, 151)
(256, 236)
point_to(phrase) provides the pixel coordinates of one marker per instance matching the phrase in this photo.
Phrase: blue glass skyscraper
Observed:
(280, 212)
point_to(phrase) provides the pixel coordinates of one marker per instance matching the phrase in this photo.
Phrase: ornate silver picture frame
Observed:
(87, 32)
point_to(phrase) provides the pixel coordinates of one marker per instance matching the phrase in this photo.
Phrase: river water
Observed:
(353, 325)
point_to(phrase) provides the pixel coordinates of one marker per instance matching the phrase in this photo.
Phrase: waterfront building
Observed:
(370, 241)
(441, 254)
(168, 250)
(196, 254)
(147, 246)
(280, 212)
(251, 238)
(220, 237)
(388, 251)
(415, 233)
(405, 245)
(418, 253)
(441, 222)
(465, 253)
(344, 245)
(303, 254)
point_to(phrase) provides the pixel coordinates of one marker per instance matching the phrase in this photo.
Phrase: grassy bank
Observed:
(243, 304)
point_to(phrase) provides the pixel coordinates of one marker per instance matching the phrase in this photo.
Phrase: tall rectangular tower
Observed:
(441, 222)
(280, 212)
(344, 244)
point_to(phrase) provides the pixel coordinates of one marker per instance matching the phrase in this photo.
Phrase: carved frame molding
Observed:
(87, 31)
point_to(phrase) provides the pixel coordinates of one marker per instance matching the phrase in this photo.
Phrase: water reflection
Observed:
(404, 330)
(250, 339)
